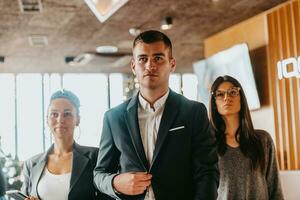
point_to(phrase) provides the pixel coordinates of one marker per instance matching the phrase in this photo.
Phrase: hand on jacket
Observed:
(132, 183)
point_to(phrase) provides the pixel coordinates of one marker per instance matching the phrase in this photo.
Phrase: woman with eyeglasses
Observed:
(65, 171)
(247, 157)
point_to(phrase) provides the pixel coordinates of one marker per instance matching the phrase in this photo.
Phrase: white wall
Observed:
(264, 119)
(290, 181)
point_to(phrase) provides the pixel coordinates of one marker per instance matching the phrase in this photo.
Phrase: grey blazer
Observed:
(184, 165)
(81, 185)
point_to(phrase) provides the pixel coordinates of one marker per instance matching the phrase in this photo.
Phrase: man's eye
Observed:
(143, 59)
(158, 58)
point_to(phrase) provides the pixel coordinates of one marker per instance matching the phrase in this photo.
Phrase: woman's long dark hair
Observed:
(250, 143)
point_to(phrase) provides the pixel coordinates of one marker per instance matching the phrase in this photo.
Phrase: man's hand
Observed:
(132, 183)
(32, 198)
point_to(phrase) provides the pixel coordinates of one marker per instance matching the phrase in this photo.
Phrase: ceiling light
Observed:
(80, 60)
(103, 9)
(166, 23)
(107, 49)
(134, 31)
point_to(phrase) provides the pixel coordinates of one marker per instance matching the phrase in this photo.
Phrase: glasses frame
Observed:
(226, 92)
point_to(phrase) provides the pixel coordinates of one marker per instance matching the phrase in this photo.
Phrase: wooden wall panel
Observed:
(238, 33)
(275, 36)
(284, 42)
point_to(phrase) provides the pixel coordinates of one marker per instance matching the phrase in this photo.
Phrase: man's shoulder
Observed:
(119, 108)
(188, 103)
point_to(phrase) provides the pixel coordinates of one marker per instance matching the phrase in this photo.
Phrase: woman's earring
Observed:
(78, 131)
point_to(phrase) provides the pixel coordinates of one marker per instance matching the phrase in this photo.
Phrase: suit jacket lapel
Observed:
(78, 165)
(132, 122)
(37, 171)
(169, 114)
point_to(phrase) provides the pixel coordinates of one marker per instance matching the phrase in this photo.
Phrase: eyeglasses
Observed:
(232, 92)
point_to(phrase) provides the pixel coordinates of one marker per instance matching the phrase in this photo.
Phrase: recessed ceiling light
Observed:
(134, 31)
(166, 23)
(107, 49)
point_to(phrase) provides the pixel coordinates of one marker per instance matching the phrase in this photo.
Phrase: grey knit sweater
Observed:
(239, 182)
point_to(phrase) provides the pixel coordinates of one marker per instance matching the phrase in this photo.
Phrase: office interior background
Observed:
(85, 46)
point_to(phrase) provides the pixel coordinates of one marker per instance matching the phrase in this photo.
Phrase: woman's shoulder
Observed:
(263, 134)
(265, 137)
(34, 159)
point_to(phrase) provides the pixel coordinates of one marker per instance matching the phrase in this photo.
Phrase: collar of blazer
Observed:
(78, 165)
(169, 114)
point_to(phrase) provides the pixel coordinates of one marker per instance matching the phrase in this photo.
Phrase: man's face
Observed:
(152, 65)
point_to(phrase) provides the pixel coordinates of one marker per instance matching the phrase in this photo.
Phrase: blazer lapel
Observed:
(131, 119)
(37, 171)
(78, 165)
(169, 114)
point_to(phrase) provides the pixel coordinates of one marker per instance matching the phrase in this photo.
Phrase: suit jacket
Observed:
(81, 183)
(184, 162)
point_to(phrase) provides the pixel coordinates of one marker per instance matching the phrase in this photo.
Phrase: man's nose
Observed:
(150, 65)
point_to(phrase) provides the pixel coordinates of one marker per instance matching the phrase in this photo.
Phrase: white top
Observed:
(149, 121)
(54, 186)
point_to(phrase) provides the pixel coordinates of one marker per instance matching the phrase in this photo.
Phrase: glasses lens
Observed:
(219, 94)
(233, 92)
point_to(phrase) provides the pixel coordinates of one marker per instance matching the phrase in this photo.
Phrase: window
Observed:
(175, 83)
(189, 86)
(29, 115)
(93, 94)
(7, 113)
(25, 98)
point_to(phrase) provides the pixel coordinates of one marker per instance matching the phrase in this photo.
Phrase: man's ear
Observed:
(132, 66)
(173, 64)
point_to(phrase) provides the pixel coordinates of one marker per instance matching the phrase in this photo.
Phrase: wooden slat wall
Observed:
(284, 42)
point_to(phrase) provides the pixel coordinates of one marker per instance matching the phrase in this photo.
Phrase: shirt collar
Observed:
(157, 104)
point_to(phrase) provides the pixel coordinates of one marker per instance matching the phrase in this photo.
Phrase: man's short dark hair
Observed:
(152, 36)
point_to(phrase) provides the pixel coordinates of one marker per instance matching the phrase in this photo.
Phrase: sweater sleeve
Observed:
(272, 171)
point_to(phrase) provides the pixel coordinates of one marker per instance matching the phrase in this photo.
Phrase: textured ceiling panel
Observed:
(71, 29)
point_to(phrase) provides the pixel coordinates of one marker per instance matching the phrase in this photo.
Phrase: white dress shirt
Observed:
(149, 121)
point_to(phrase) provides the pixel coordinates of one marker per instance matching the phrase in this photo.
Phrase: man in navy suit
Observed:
(157, 145)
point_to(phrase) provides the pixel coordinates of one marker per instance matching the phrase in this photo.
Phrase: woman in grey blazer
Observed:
(65, 171)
